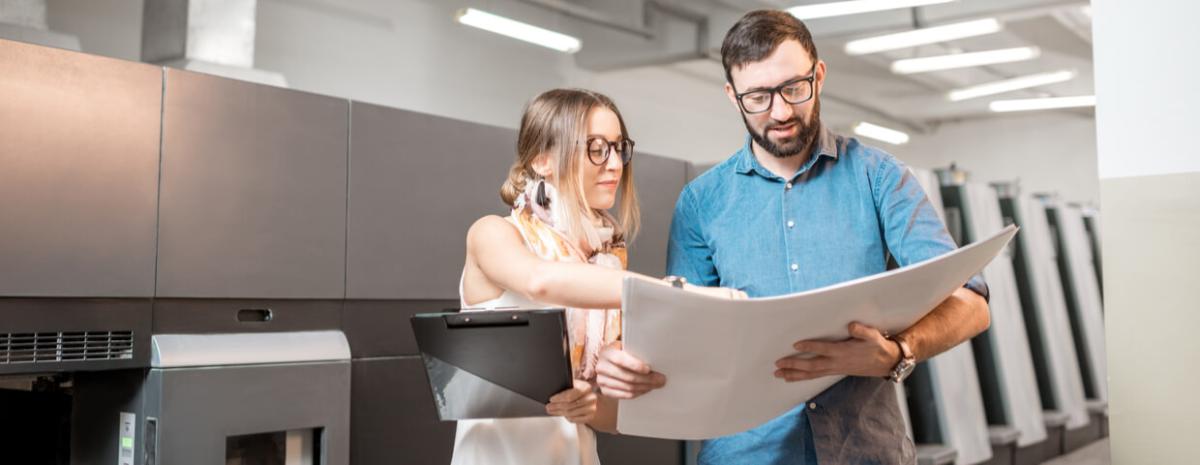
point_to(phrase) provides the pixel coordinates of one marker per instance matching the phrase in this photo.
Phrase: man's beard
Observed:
(806, 134)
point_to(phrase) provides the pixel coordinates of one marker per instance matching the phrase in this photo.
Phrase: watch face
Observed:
(905, 369)
(902, 370)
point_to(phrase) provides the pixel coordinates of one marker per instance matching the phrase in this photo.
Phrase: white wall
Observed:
(1047, 151)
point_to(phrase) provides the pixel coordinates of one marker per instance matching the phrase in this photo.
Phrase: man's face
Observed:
(786, 129)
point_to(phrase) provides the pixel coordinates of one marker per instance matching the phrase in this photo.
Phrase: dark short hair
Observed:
(757, 34)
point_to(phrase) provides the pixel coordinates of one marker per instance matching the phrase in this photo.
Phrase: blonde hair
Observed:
(556, 123)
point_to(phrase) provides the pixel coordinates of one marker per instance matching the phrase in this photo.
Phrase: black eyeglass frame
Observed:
(812, 85)
(609, 148)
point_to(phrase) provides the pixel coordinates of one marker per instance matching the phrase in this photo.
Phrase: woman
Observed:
(558, 247)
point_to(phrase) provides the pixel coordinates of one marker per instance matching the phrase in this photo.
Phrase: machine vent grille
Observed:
(51, 347)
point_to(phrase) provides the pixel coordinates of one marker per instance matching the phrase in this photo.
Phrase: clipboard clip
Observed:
(481, 319)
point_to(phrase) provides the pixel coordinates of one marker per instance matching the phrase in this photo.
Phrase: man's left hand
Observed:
(866, 353)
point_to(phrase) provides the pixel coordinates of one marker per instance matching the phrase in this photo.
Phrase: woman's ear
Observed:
(543, 165)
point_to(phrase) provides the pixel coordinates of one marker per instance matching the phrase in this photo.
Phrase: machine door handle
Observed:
(254, 315)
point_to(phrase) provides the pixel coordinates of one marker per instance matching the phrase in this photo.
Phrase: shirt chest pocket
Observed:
(844, 252)
(751, 266)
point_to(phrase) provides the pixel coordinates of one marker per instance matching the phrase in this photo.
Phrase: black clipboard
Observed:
(494, 364)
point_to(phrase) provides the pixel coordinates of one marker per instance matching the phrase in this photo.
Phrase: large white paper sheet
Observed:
(719, 355)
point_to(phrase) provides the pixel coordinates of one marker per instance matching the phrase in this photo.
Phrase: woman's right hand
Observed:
(577, 404)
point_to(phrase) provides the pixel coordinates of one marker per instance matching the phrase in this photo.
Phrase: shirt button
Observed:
(795, 267)
(788, 186)
(791, 224)
(812, 405)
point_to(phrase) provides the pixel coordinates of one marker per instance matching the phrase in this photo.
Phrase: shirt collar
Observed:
(827, 146)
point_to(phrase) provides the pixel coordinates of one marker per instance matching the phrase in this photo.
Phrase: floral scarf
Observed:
(589, 330)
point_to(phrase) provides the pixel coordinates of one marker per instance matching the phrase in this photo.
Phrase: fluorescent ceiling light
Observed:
(964, 60)
(1009, 85)
(518, 30)
(1043, 103)
(929, 35)
(880, 133)
(853, 7)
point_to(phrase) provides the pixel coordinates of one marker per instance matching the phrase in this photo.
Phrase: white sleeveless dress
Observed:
(521, 441)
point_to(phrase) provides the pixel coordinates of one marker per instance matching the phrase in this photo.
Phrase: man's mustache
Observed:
(794, 120)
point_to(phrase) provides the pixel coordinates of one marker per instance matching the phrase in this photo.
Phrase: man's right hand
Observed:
(623, 376)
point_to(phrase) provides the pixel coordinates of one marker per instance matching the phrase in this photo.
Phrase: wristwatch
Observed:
(675, 281)
(906, 364)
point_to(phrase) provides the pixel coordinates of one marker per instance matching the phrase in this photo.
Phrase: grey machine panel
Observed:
(1002, 352)
(248, 400)
(219, 351)
(417, 183)
(78, 184)
(1059, 380)
(947, 402)
(204, 390)
(1083, 296)
(253, 196)
(44, 335)
(658, 180)
(202, 316)
(393, 420)
(379, 328)
(633, 450)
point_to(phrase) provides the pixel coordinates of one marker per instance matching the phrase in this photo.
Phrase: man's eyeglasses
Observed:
(795, 92)
(598, 150)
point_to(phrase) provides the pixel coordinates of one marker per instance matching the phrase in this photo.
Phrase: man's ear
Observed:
(543, 165)
(820, 71)
(732, 95)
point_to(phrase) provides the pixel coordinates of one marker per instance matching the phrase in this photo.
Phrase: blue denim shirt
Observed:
(836, 219)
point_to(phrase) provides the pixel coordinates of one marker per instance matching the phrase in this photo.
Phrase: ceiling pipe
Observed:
(591, 16)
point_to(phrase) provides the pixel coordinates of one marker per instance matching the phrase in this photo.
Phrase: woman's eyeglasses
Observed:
(599, 149)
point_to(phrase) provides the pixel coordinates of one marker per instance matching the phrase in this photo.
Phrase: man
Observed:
(798, 208)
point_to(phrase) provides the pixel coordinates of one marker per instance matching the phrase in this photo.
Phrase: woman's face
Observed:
(600, 182)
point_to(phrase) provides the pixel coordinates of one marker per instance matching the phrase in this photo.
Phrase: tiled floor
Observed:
(1096, 453)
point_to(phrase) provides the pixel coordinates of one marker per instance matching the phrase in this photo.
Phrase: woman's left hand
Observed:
(577, 404)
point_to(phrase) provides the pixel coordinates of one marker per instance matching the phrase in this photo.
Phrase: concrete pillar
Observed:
(209, 36)
(1145, 60)
(25, 21)
(27, 13)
